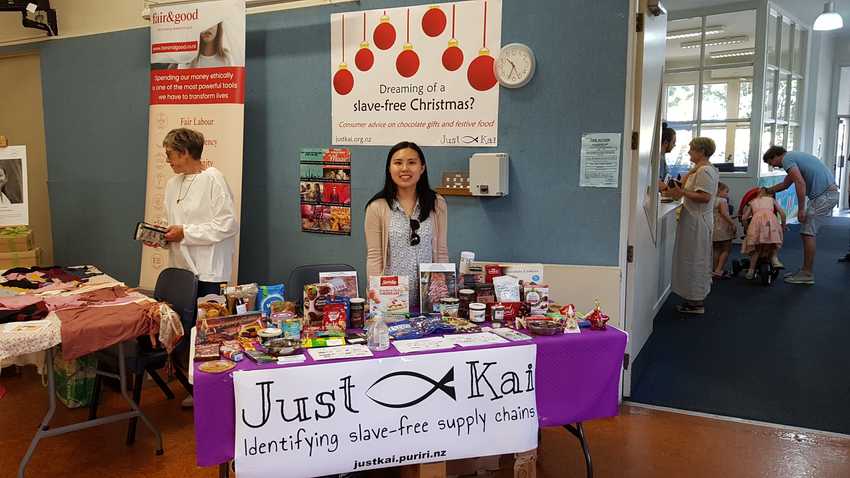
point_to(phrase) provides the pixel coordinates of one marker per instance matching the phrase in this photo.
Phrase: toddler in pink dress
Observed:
(764, 233)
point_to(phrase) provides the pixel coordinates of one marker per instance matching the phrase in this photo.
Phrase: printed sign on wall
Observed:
(422, 74)
(325, 191)
(358, 415)
(197, 81)
(14, 193)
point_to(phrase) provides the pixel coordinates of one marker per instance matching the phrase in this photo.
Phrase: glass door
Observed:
(842, 155)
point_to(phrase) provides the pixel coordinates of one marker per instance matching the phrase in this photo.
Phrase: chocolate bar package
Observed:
(389, 294)
(436, 281)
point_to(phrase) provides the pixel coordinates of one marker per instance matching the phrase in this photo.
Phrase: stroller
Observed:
(765, 272)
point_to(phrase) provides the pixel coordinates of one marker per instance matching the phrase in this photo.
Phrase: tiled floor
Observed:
(640, 442)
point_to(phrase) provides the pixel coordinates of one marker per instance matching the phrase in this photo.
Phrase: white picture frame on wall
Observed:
(14, 194)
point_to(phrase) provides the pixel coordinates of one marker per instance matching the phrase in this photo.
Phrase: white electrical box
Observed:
(488, 174)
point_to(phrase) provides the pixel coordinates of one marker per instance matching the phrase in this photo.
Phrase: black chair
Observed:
(309, 274)
(178, 288)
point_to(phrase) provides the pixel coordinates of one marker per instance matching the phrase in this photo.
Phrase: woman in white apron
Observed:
(692, 254)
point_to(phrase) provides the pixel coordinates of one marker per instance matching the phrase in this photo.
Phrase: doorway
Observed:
(22, 122)
(842, 154)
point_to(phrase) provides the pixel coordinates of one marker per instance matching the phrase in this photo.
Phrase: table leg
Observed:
(122, 372)
(578, 431)
(45, 423)
(224, 470)
(45, 431)
(424, 470)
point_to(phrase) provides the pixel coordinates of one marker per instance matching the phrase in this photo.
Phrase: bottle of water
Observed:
(378, 335)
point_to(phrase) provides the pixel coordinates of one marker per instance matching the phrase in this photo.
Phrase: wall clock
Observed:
(515, 66)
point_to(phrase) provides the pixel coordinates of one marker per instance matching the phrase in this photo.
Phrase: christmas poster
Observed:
(197, 81)
(420, 73)
(325, 191)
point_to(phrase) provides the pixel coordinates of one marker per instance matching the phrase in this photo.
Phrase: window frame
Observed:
(704, 68)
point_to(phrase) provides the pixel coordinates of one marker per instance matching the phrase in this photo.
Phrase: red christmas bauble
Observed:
(407, 62)
(480, 73)
(364, 59)
(452, 56)
(434, 21)
(384, 36)
(343, 80)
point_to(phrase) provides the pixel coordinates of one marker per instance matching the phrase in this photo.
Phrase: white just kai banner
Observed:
(420, 73)
(334, 418)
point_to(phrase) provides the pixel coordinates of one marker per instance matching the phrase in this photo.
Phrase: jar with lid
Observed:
(477, 312)
(465, 297)
(449, 307)
(358, 311)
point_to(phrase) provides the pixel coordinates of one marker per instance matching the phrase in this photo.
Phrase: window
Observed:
(709, 86)
(714, 101)
(786, 57)
(680, 102)
(745, 99)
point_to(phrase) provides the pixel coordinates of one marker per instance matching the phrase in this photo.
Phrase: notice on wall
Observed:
(350, 416)
(600, 160)
(420, 73)
(14, 197)
(325, 191)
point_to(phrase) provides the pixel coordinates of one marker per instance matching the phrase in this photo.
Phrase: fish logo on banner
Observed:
(442, 385)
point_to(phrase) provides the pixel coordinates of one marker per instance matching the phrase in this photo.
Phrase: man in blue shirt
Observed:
(817, 195)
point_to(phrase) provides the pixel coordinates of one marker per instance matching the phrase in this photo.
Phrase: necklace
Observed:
(182, 196)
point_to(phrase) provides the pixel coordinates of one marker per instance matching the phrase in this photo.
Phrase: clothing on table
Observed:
(377, 228)
(404, 259)
(203, 204)
(692, 252)
(108, 294)
(723, 231)
(89, 329)
(817, 176)
(36, 311)
(764, 227)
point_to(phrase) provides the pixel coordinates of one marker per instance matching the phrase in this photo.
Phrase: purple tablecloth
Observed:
(578, 378)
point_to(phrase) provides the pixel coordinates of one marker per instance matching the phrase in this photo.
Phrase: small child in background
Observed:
(764, 233)
(724, 232)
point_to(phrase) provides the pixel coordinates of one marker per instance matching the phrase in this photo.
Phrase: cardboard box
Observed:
(15, 239)
(28, 258)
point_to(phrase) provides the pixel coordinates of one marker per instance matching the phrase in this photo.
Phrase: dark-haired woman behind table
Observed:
(406, 222)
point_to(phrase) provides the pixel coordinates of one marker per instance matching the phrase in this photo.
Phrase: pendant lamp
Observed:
(829, 19)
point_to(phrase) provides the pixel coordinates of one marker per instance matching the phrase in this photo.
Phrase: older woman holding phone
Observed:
(692, 254)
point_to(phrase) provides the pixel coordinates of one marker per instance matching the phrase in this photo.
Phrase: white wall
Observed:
(89, 17)
(816, 114)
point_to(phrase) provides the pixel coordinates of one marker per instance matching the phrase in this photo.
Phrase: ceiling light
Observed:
(828, 20)
(731, 53)
(694, 32)
(733, 40)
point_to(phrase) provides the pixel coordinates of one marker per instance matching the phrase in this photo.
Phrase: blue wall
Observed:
(95, 101)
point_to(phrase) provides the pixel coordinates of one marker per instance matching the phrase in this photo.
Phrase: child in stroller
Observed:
(764, 234)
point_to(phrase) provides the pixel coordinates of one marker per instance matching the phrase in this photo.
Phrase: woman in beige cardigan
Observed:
(406, 221)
